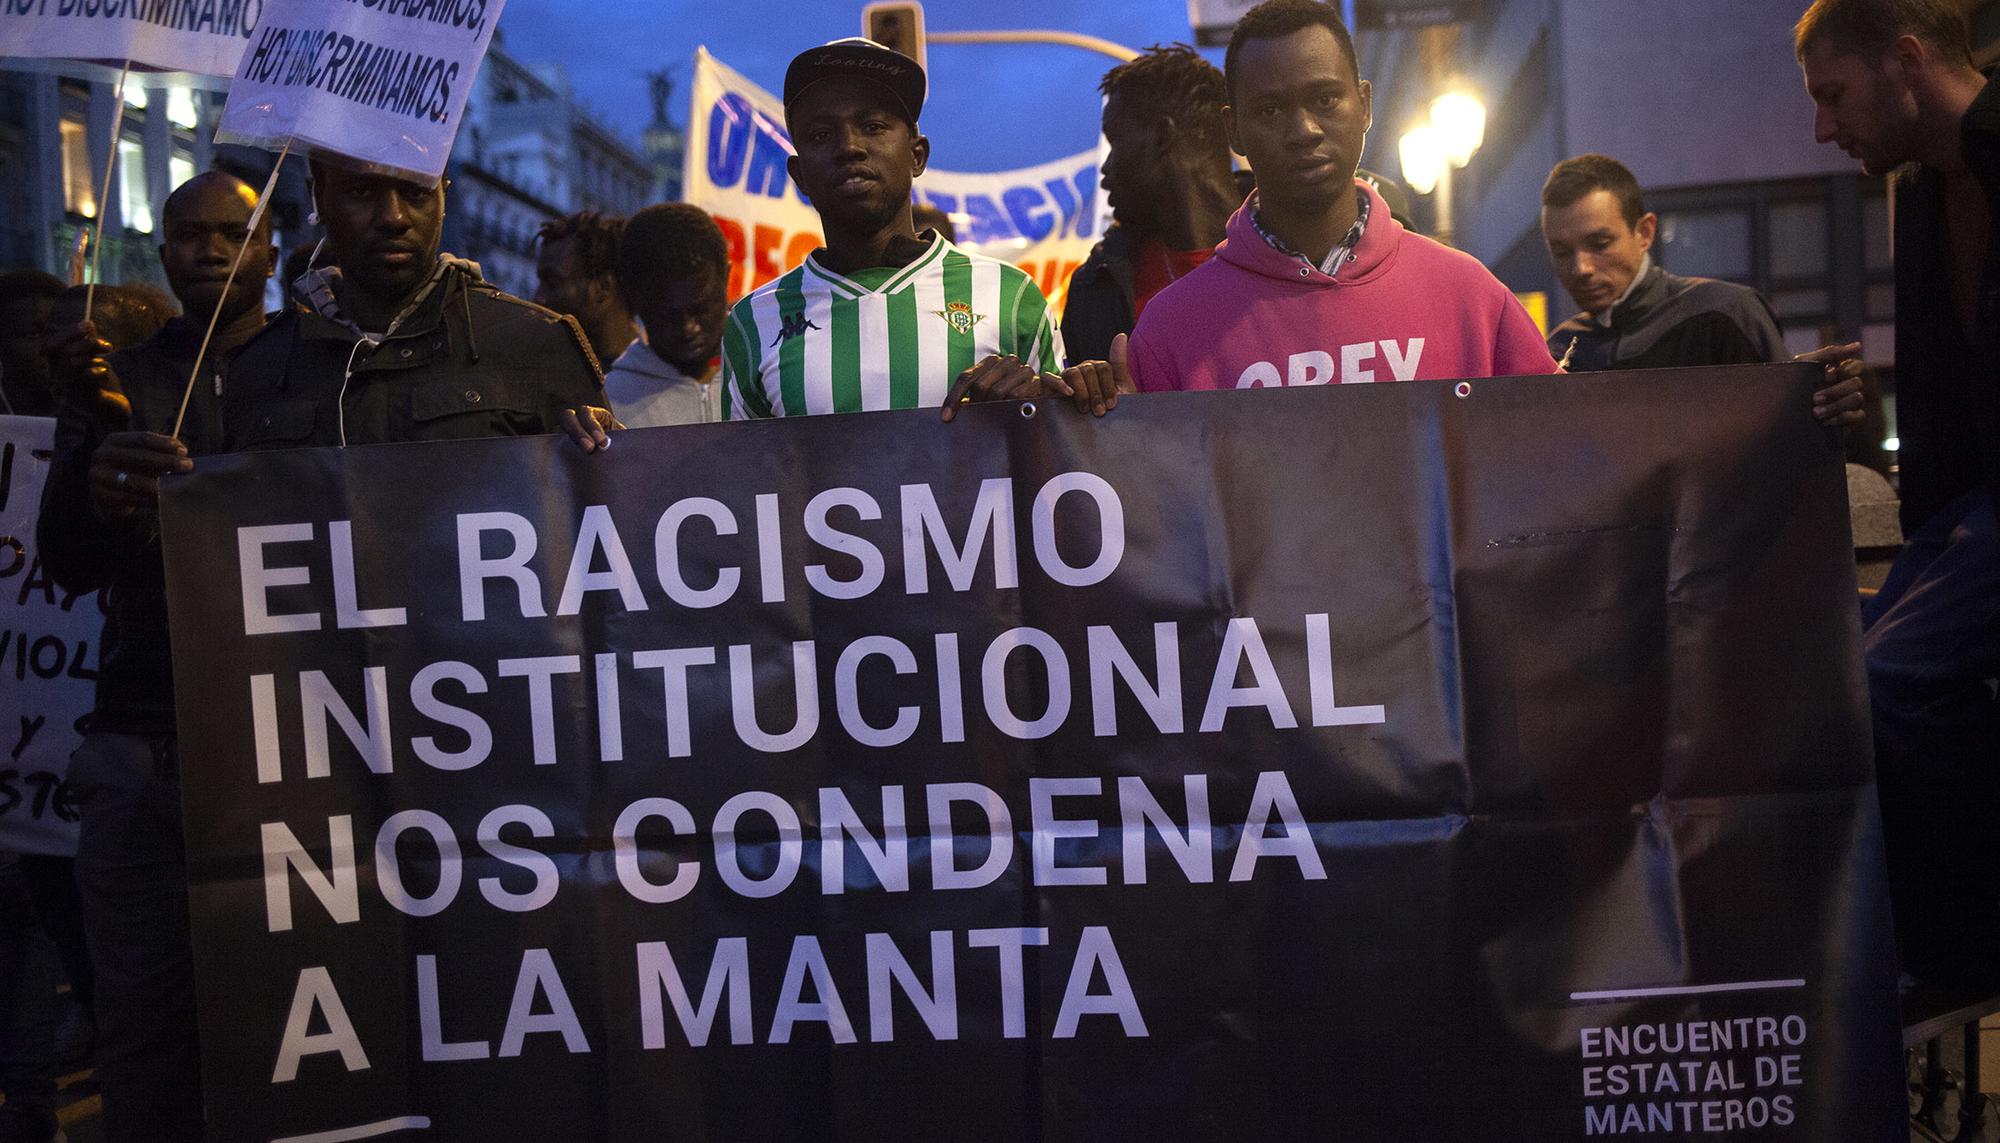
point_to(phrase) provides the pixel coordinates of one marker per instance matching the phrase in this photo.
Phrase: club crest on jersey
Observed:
(959, 317)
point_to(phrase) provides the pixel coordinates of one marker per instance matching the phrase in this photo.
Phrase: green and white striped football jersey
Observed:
(814, 341)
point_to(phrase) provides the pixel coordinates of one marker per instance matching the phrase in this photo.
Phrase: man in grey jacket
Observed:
(673, 266)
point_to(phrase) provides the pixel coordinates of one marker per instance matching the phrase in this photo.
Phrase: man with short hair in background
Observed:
(99, 529)
(1893, 84)
(673, 269)
(25, 299)
(1637, 315)
(576, 273)
(930, 216)
(1171, 190)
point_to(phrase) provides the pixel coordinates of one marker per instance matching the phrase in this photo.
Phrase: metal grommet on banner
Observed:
(1463, 389)
(1027, 408)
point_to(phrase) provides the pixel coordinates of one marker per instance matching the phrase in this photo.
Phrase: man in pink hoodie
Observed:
(1316, 283)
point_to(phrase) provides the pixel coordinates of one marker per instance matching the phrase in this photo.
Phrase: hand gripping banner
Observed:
(1479, 761)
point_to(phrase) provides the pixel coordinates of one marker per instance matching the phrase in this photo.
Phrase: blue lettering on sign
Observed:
(743, 141)
(1065, 202)
(1027, 208)
(730, 124)
(944, 202)
(1086, 191)
(988, 223)
(767, 165)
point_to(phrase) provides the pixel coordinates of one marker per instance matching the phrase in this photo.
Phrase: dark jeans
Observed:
(27, 1001)
(132, 873)
(1933, 651)
(52, 885)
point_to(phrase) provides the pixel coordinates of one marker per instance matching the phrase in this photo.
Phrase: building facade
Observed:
(55, 138)
(526, 153)
(1708, 109)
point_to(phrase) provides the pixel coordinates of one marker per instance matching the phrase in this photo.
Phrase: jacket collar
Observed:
(1647, 289)
(420, 315)
(1113, 255)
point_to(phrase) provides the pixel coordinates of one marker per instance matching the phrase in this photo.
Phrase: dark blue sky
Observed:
(991, 107)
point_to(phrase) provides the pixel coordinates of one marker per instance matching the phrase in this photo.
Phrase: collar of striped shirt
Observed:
(1343, 250)
(842, 284)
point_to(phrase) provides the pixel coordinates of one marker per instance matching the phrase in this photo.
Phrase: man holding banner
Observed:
(1316, 283)
(99, 529)
(879, 318)
(403, 343)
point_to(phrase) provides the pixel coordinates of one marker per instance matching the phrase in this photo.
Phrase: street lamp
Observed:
(1423, 157)
(1460, 121)
(1430, 150)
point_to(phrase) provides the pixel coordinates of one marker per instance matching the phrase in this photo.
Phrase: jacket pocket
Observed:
(282, 424)
(475, 406)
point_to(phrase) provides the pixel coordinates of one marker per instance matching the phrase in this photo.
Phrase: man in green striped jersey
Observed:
(881, 317)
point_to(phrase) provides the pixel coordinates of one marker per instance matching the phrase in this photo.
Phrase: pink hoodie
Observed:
(1404, 308)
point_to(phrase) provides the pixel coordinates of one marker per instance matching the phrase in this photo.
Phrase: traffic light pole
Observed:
(1037, 36)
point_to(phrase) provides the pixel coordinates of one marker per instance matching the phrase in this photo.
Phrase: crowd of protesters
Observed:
(1292, 272)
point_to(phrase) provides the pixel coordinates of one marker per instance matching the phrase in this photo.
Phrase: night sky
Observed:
(992, 107)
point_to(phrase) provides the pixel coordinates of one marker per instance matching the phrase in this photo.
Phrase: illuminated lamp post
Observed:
(1430, 151)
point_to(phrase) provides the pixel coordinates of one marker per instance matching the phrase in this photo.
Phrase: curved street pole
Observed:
(1037, 36)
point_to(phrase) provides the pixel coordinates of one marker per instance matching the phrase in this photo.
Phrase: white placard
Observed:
(205, 37)
(380, 82)
(48, 657)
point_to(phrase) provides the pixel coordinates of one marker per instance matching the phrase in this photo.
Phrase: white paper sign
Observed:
(206, 37)
(48, 657)
(381, 82)
(1043, 219)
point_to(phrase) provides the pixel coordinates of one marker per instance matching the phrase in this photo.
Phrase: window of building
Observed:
(133, 200)
(1798, 238)
(1816, 248)
(180, 168)
(181, 111)
(1881, 301)
(1801, 307)
(1707, 243)
(79, 180)
(1875, 233)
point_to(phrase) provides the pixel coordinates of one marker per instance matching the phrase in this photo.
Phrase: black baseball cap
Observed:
(858, 58)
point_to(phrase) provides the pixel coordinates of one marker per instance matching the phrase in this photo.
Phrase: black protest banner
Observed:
(1485, 761)
(49, 653)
